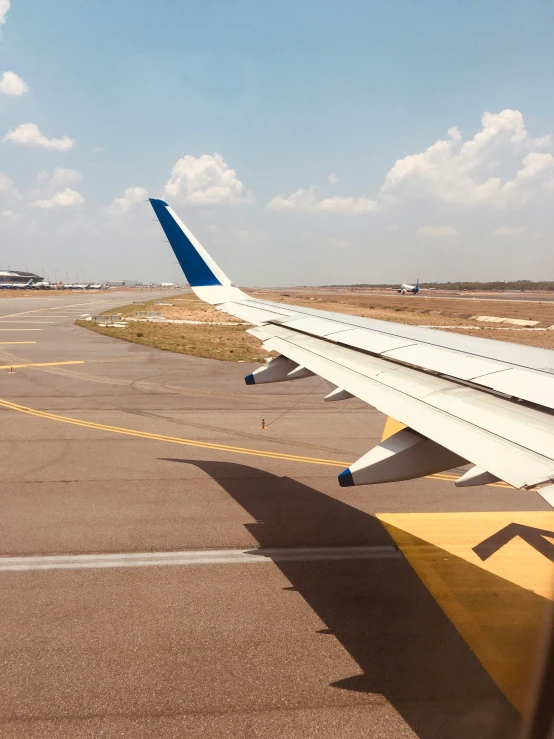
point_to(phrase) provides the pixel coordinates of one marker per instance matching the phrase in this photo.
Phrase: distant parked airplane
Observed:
(16, 285)
(42, 285)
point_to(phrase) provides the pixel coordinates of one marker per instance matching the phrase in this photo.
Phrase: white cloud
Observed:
(437, 232)
(348, 206)
(459, 173)
(63, 177)
(5, 182)
(12, 84)
(509, 231)
(303, 200)
(131, 196)
(306, 201)
(98, 149)
(206, 180)
(4, 7)
(501, 167)
(9, 215)
(28, 134)
(63, 199)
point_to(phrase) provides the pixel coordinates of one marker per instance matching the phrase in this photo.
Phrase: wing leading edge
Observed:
(463, 399)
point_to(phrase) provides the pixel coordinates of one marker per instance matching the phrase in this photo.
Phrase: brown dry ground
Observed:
(226, 342)
(432, 311)
(32, 293)
(232, 343)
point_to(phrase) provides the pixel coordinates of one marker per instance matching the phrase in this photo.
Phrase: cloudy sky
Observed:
(302, 142)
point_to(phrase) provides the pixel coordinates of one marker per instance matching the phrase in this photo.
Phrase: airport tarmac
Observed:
(170, 570)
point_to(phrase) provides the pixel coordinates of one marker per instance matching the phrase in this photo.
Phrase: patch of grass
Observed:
(228, 343)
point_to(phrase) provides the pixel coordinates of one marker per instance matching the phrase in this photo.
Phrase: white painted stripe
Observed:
(25, 322)
(20, 329)
(199, 557)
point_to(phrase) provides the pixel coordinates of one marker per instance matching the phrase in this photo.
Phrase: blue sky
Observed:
(311, 104)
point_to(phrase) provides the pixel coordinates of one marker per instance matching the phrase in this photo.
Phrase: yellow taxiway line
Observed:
(171, 439)
(39, 364)
(17, 342)
(192, 442)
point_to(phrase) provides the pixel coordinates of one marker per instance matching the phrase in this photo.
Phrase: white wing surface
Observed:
(463, 399)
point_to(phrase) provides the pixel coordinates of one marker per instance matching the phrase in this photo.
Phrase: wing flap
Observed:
(454, 364)
(417, 401)
(522, 384)
(496, 373)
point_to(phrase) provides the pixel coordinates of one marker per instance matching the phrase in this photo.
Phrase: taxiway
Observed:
(170, 570)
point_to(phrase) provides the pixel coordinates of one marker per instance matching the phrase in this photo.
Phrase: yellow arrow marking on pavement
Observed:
(391, 427)
(498, 604)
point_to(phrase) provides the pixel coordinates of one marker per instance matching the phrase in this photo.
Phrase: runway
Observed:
(138, 494)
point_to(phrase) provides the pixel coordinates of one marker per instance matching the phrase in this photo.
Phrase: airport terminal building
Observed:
(11, 275)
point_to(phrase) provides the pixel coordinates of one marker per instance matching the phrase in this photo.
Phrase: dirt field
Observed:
(415, 309)
(228, 342)
(232, 343)
(434, 311)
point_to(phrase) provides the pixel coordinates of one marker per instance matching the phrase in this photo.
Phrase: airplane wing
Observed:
(463, 399)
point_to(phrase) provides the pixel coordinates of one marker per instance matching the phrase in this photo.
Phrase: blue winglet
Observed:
(193, 265)
(345, 479)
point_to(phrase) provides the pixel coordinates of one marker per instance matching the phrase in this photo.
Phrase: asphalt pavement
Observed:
(169, 569)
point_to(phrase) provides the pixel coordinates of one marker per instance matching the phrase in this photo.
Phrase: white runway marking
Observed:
(199, 557)
(20, 329)
(25, 321)
(40, 310)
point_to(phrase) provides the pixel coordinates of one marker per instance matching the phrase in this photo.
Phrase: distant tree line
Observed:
(478, 286)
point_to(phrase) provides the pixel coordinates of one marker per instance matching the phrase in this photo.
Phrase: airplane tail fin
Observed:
(204, 276)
